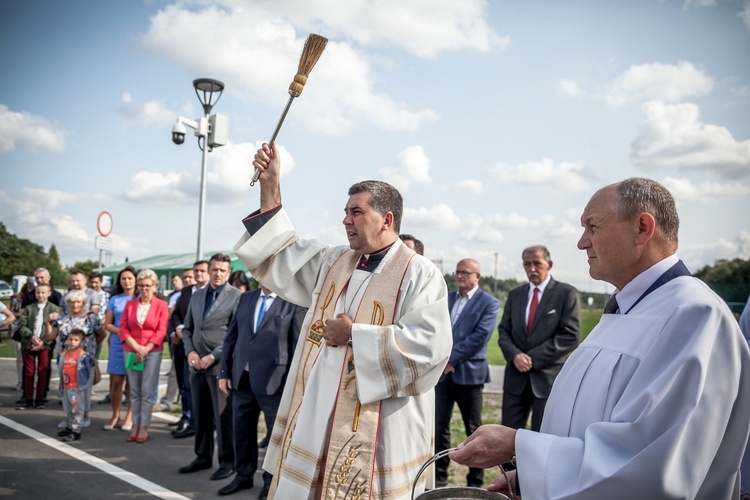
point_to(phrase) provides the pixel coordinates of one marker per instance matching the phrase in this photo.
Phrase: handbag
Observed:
(16, 335)
(97, 374)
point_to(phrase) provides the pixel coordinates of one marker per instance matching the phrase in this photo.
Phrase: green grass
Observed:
(8, 351)
(589, 319)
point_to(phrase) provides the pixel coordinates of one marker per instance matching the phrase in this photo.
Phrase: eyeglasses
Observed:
(141, 285)
(464, 273)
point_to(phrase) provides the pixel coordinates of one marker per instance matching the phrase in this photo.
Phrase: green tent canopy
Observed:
(167, 265)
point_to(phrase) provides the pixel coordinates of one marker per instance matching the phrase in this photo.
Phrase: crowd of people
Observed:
(359, 360)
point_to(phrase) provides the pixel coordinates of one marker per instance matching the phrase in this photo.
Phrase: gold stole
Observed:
(353, 438)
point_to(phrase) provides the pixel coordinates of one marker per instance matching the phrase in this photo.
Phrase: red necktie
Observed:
(532, 309)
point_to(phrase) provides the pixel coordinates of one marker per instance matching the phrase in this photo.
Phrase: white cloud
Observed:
(30, 131)
(479, 230)
(412, 166)
(513, 220)
(706, 193)
(228, 175)
(253, 46)
(565, 176)
(569, 88)
(151, 112)
(697, 256)
(672, 136)
(438, 217)
(698, 3)
(745, 14)
(470, 185)
(664, 82)
(50, 222)
(443, 24)
(564, 231)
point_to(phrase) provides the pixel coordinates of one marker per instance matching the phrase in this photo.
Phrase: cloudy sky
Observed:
(497, 120)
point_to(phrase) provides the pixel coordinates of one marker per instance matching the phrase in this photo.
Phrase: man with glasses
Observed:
(473, 316)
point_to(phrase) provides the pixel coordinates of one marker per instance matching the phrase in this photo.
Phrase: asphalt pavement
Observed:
(35, 464)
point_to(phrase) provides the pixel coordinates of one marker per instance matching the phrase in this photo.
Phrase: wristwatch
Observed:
(349, 342)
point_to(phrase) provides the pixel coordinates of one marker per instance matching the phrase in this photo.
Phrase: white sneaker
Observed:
(86, 422)
(63, 424)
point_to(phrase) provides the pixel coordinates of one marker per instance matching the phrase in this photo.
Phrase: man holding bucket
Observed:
(653, 404)
(357, 414)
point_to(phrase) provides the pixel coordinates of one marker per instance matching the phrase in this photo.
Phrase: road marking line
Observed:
(128, 477)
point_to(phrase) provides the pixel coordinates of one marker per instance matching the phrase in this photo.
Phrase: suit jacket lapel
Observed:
(200, 304)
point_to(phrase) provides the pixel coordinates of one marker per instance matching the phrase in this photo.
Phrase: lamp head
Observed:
(210, 88)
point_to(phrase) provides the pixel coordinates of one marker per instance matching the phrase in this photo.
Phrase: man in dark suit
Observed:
(186, 426)
(473, 316)
(209, 314)
(540, 327)
(255, 361)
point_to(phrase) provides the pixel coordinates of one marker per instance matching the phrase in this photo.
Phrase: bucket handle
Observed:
(444, 453)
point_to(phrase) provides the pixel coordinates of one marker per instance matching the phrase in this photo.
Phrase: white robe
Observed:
(653, 404)
(420, 335)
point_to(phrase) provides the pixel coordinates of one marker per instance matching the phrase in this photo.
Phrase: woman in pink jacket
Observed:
(142, 329)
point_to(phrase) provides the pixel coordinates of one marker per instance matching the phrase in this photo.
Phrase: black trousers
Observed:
(212, 409)
(516, 409)
(247, 407)
(469, 400)
(182, 373)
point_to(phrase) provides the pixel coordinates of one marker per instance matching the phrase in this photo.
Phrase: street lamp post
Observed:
(212, 129)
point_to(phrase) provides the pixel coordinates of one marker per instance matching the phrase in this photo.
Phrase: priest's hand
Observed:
(338, 331)
(522, 362)
(488, 446)
(267, 161)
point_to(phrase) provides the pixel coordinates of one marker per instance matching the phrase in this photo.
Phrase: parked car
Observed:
(6, 291)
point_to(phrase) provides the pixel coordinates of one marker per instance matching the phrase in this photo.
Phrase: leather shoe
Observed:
(239, 483)
(263, 443)
(186, 432)
(221, 473)
(264, 492)
(195, 466)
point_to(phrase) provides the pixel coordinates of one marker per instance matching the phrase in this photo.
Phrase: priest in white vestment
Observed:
(356, 418)
(655, 402)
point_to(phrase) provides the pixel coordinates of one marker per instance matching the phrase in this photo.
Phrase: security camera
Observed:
(178, 133)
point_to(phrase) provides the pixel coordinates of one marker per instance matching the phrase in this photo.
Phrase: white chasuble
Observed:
(653, 404)
(397, 365)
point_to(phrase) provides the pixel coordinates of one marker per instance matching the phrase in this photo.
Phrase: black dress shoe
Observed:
(263, 443)
(239, 483)
(264, 492)
(195, 466)
(186, 432)
(221, 473)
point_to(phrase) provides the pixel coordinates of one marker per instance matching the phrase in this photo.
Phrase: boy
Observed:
(77, 367)
(37, 340)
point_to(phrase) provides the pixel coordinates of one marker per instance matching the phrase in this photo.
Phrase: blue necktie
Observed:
(261, 311)
(209, 301)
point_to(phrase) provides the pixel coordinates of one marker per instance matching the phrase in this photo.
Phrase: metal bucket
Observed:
(455, 491)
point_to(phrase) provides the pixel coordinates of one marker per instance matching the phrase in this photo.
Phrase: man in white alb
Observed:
(357, 414)
(653, 404)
